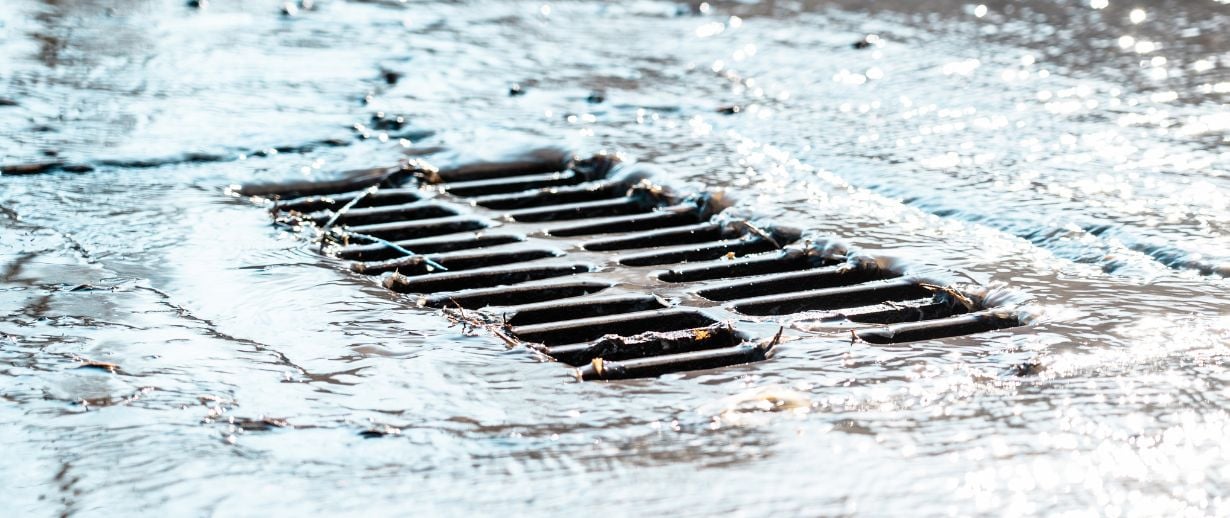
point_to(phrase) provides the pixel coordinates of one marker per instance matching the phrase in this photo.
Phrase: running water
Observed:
(1077, 151)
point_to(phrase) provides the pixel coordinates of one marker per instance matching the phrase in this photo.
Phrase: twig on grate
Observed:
(473, 322)
(399, 248)
(502, 336)
(951, 292)
(385, 179)
(273, 213)
(777, 338)
(758, 231)
(459, 316)
(768, 348)
(324, 230)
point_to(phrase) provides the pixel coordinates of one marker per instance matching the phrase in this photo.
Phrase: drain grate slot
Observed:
(513, 295)
(333, 202)
(551, 196)
(666, 364)
(380, 251)
(646, 344)
(512, 184)
(832, 298)
(420, 228)
(812, 279)
(686, 235)
(479, 278)
(672, 216)
(586, 329)
(416, 265)
(940, 328)
(784, 261)
(385, 214)
(583, 210)
(702, 252)
(585, 308)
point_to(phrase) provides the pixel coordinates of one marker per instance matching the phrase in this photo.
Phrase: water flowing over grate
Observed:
(597, 264)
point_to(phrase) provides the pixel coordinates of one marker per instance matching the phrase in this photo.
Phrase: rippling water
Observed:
(1077, 150)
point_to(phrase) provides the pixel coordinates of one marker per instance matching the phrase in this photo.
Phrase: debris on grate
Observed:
(600, 265)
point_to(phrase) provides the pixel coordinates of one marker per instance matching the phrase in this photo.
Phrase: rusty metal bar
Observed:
(556, 311)
(480, 278)
(689, 234)
(585, 329)
(675, 215)
(380, 252)
(832, 298)
(646, 344)
(909, 311)
(310, 204)
(940, 328)
(456, 261)
(816, 278)
(385, 213)
(600, 369)
(783, 261)
(512, 184)
(700, 252)
(552, 196)
(420, 228)
(513, 295)
(583, 210)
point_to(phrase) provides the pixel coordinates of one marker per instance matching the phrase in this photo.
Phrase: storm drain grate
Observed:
(593, 264)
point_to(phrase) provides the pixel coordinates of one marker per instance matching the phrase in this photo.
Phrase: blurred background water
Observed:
(1077, 150)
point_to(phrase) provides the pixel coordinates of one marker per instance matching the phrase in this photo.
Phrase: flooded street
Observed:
(166, 350)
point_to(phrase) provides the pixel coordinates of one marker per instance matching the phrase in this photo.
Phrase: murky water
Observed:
(1077, 150)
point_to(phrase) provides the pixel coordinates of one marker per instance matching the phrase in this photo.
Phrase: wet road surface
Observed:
(164, 349)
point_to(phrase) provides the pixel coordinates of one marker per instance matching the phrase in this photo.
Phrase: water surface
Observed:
(1078, 151)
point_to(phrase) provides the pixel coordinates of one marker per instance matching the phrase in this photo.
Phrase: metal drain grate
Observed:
(593, 264)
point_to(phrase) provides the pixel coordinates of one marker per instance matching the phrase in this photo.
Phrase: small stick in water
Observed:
(759, 232)
(951, 292)
(395, 246)
(345, 208)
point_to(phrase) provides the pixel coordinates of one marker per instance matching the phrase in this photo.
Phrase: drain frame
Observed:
(604, 266)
